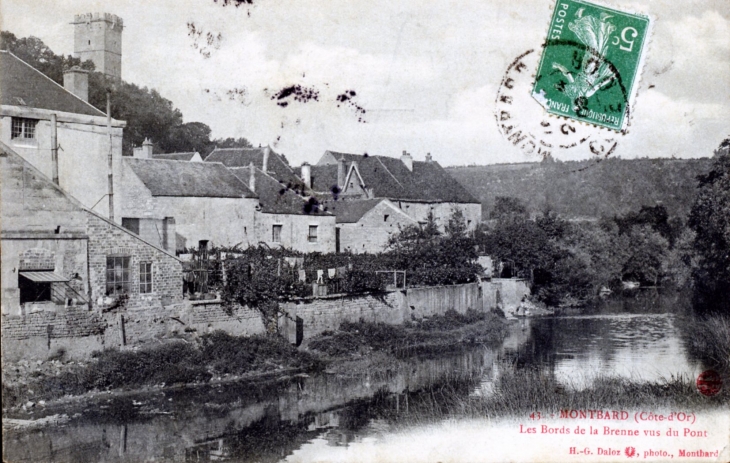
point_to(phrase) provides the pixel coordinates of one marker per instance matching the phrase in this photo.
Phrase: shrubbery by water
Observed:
(439, 333)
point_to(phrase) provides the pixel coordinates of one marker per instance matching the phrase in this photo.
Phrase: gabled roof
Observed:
(276, 197)
(276, 166)
(351, 211)
(389, 178)
(176, 156)
(23, 85)
(179, 178)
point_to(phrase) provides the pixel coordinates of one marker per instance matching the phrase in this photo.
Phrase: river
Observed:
(305, 418)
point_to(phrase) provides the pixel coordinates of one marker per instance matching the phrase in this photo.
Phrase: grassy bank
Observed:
(217, 354)
(220, 355)
(520, 392)
(437, 334)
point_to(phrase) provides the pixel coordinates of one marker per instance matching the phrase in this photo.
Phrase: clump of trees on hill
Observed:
(147, 113)
(571, 261)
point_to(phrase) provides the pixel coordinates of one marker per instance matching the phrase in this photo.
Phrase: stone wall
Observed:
(329, 312)
(295, 231)
(436, 300)
(107, 239)
(393, 307)
(372, 231)
(505, 292)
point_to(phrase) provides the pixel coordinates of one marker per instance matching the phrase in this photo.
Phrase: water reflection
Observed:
(293, 417)
(577, 349)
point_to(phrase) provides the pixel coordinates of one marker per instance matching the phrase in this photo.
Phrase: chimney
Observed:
(169, 238)
(341, 173)
(265, 162)
(144, 151)
(407, 160)
(429, 159)
(307, 175)
(76, 81)
(252, 177)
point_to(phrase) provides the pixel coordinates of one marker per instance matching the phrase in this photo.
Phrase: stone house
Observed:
(416, 187)
(179, 203)
(365, 225)
(57, 131)
(286, 218)
(63, 266)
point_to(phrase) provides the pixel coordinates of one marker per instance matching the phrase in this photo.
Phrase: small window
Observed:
(23, 128)
(118, 276)
(131, 224)
(32, 291)
(145, 277)
(385, 217)
(312, 234)
(276, 233)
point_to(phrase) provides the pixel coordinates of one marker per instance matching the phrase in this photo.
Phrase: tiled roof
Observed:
(177, 178)
(23, 85)
(276, 166)
(275, 197)
(350, 211)
(175, 156)
(390, 178)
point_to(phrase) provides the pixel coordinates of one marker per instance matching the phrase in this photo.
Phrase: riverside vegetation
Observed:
(220, 356)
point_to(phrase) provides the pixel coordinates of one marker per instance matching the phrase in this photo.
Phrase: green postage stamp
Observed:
(591, 63)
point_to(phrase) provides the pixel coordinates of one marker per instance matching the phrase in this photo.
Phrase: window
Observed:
(23, 128)
(385, 217)
(118, 276)
(33, 291)
(312, 234)
(145, 277)
(276, 233)
(131, 224)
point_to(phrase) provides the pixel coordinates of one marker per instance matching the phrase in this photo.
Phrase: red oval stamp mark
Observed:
(709, 383)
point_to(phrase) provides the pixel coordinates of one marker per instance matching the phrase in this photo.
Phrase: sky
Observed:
(426, 73)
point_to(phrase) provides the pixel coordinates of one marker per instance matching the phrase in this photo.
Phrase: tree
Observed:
(710, 219)
(648, 250)
(147, 113)
(260, 280)
(507, 206)
(231, 142)
(33, 51)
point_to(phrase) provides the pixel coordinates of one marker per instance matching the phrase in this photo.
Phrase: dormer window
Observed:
(24, 128)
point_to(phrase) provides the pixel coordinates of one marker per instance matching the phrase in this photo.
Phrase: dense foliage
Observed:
(572, 261)
(589, 188)
(147, 113)
(710, 220)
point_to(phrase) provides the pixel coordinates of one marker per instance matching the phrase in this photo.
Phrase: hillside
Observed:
(588, 188)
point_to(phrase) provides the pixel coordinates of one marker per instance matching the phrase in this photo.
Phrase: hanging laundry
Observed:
(300, 262)
(331, 272)
(320, 277)
(302, 276)
(291, 261)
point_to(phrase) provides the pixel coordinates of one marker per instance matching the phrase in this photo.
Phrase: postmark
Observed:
(524, 123)
(709, 383)
(591, 63)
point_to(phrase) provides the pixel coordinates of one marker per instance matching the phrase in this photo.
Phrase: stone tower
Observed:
(98, 37)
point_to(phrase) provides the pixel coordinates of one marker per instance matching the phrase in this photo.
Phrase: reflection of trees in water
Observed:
(268, 440)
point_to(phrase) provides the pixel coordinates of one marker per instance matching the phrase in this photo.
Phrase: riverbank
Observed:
(31, 389)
